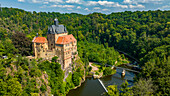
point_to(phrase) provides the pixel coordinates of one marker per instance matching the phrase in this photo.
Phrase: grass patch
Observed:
(96, 65)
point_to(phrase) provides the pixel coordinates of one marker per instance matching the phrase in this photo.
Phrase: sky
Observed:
(87, 6)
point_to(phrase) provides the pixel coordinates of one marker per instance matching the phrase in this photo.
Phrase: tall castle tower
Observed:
(54, 31)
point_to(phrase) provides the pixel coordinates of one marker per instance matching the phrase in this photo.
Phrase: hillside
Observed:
(144, 35)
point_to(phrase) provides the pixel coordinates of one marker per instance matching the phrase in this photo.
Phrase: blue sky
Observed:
(87, 6)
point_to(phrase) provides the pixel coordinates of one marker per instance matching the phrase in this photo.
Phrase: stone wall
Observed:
(51, 41)
(40, 50)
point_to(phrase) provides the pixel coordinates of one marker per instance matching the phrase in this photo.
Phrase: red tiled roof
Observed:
(39, 40)
(65, 39)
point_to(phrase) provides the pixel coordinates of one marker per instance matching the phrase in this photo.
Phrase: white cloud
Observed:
(127, 1)
(44, 6)
(164, 7)
(63, 6)
(73, 1)
(45, 2)
(100, 3)
(69, 9)
(36, 1)
(78, 7)
(21, 0)
(87, 9)
(107, 4)
(118, 5)
(142, 1)
(105, 10)
(68, 6)
(137, 6)
(96, 8)
(55, 1)
(53, 6)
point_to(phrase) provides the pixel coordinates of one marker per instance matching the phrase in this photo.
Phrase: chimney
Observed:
(56, 22)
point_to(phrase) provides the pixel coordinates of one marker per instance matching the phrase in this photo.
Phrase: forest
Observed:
(144, 35)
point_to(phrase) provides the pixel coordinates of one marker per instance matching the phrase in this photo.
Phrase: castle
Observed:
(58, 43)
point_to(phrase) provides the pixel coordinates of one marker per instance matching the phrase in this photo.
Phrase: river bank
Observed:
(92, 87)
(114, 78)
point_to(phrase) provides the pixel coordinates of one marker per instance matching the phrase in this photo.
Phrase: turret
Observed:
(56, 22)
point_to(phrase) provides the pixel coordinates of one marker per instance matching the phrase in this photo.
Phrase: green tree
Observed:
(22, 43)
(126, 90)
(144, 87)
(76, 78)
(14, 88)
(112, 90)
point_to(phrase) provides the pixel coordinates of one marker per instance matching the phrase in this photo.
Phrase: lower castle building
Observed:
(58, 43)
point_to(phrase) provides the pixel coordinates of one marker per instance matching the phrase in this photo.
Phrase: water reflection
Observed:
(92, 87)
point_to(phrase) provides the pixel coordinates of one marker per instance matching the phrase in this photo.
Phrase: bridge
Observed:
(123, 68)
(128, 69)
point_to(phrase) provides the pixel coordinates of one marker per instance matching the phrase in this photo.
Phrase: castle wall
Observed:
(67, 63)
(74, 47)
(50, 54)
(67, 55)
(40, 50)
(51, 41)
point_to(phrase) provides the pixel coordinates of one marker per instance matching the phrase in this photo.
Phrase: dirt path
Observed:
(94, 68)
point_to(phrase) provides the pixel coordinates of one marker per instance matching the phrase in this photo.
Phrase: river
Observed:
(92, 87)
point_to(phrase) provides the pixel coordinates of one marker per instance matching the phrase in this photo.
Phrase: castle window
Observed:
(37, 43)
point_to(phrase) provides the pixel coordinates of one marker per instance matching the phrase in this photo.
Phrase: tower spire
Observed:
(56, 22)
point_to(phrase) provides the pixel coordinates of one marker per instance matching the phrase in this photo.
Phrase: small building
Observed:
(58, 43)
(4, 57)
(40, 45)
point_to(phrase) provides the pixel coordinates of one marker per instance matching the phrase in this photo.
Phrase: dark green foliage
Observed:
(144, 87)
(144, 35)
(126, 90)
(55, 74)
(43, 88)
(90, 68)
(22, 43)
(35, 72)
(54, 59)
(97, 53)
(108, 71)
(112, 90)
(69, 84)
(76, 78)
(7, 48)
(10, 87)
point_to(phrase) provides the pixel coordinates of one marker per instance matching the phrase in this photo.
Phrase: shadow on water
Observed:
(92, 87)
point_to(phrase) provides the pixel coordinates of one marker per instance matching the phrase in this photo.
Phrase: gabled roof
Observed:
(56, 28)
(39, 40)
(65, 39)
